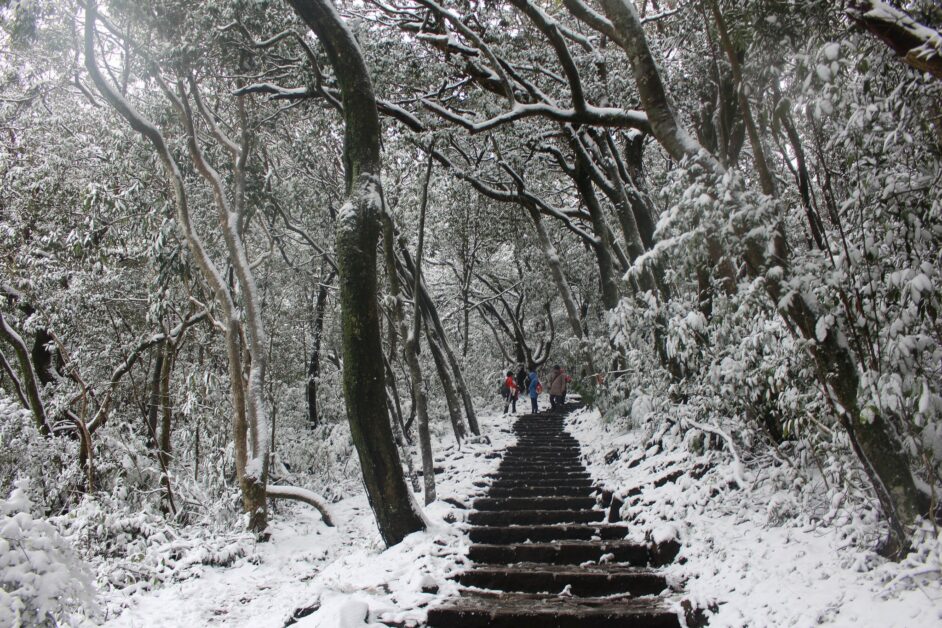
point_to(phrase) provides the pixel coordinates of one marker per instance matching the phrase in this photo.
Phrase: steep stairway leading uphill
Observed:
(546, 553)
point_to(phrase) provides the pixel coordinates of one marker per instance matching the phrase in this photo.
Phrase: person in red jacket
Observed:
(511, 392)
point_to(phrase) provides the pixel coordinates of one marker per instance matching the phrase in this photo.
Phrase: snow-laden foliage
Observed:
(42, 580)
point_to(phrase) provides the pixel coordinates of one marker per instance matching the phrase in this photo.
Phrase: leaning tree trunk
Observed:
(448, 386)
(253, 499)
(410, 353)
(358, 226)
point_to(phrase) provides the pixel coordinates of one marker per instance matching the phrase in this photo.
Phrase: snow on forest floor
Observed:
(739, 556)
(341, 575)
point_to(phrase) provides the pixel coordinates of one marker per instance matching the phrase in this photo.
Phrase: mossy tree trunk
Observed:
(357, 234)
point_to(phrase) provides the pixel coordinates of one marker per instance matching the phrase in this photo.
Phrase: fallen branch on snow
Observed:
(737, 465)
(310, 498)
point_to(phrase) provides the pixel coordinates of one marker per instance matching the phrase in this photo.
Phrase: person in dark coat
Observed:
(521, 379)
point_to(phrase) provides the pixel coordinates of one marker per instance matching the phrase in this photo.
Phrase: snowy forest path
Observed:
(549, 548)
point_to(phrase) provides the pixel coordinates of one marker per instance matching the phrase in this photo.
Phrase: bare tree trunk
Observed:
(410, 336)
(164, 451)
(153, 399)
(393, 393)
(430, 313)
(397, 514)
(602, 247)
(398, 429)
(314, 364)
(14, 381)
(412, 349)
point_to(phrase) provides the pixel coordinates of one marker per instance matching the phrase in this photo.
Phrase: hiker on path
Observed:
(557, 387)
(534, 388)
(510, 392)
(521, 379)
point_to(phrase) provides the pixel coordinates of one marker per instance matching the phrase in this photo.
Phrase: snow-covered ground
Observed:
(743, 554)
(748, 552)
(340, 576)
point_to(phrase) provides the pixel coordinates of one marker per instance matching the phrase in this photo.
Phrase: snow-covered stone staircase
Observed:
(546, 551)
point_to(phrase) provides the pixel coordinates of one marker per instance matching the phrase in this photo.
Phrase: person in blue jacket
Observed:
(533, 383)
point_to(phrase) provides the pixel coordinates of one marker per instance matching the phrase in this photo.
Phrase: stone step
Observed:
(552, 445)
(533, 503)
(547, 457)
(539, 491)
(547, 533)
(539, 483)
(522, 462)
(534, 475)
(588, 581)
(533, 517)
(540, 426)
(573, 553)
(516, 610)
(544, 458)
(554, 439)
(540, 466)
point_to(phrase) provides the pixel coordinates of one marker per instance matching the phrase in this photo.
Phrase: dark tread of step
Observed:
(510, 610)
(571, 553)
(533, 503)
(532, 475)
(546, 533)
(594, 580)
(533, 517)
(540, 491)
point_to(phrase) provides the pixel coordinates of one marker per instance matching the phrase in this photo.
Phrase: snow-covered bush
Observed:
(42, 581)
(140, 548)
(24, 452)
